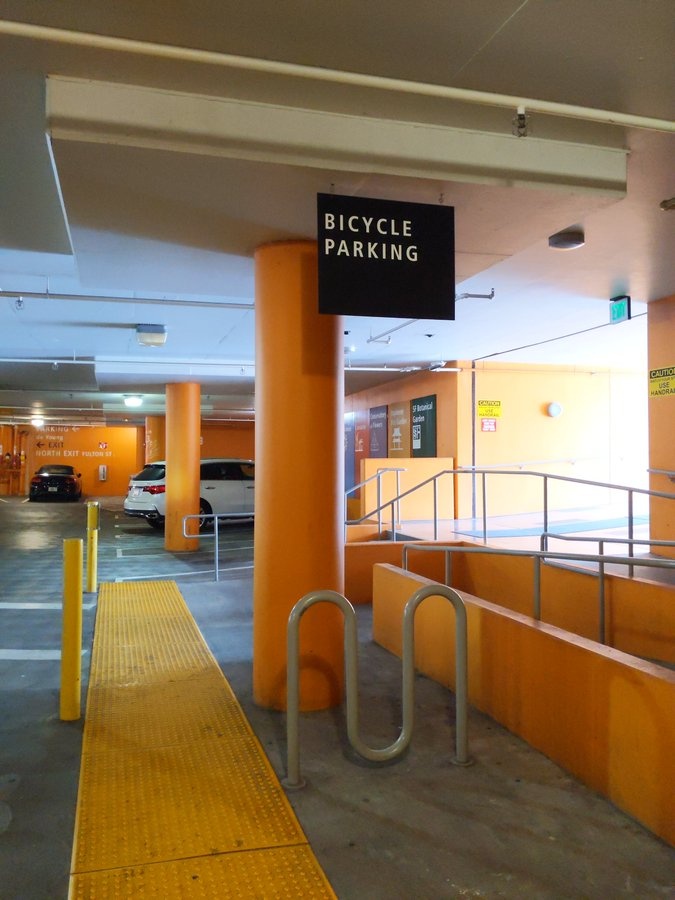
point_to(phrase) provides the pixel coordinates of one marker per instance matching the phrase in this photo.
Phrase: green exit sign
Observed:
(619, 309)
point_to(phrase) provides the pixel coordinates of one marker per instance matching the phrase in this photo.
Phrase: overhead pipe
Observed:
(48, 295)
(316, 73)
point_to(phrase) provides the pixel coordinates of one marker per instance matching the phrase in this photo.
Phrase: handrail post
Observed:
(379, 504)
(448, 568)
(216, 557)
(545, 503)
(536, 614)
(484, 484)
(630, 531)
(601, 615)
(436, 508)
(398, 491)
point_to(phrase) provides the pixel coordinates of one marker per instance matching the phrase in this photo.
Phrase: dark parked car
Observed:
(55, 482)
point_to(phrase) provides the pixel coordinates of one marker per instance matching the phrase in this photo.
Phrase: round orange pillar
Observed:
(155, 440)
(183, 424)
(299, 541)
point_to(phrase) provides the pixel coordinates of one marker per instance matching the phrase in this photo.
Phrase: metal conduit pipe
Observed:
(316, 73)
(293, 778)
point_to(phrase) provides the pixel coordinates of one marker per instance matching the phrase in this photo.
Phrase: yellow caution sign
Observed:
(489, 409)
(662, 382)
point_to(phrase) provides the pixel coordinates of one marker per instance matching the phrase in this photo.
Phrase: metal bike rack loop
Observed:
(293, 779)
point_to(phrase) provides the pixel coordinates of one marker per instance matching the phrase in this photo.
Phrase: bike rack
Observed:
(461, 758)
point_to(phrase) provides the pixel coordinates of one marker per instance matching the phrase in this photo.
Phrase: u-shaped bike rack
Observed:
(461, 758)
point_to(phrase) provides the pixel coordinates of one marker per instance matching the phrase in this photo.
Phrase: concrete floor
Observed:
(513, 825)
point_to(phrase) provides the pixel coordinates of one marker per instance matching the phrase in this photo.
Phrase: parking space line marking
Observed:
(182, 574)
(40, 606)
(38, 655)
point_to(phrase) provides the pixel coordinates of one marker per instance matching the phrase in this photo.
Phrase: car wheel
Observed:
(205, 510)
(157, 524)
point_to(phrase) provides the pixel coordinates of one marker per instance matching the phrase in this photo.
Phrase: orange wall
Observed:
(604, 716)
(407, 388)
(235, 439)
(420, 504)
(86, 448)
(121, 449)
(601, 434)
(661, 316)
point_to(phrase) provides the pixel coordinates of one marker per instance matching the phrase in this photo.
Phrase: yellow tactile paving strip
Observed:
(176, 797)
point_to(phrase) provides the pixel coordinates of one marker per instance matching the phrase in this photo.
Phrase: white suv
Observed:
(226, 486)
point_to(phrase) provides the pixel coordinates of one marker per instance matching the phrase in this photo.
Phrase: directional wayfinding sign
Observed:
(385, 258)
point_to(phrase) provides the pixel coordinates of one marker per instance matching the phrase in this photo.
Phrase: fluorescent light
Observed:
(37, 421)
(151, 335)
(133, 400)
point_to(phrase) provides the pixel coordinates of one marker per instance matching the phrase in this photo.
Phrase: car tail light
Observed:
(154, 489)
(35, 481)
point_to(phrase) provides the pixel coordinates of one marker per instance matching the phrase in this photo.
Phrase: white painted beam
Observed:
(157, 119)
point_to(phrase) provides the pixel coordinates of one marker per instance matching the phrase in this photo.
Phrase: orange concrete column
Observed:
(182, 463)
(155, 438)
(299, 544)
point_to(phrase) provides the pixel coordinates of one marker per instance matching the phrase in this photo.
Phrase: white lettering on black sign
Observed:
(385, 258)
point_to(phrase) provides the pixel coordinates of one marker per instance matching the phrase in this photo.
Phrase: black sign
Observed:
(423, 415)
(378, 432)
(385, 258)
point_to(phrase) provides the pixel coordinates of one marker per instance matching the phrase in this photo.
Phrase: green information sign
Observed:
(423, 432)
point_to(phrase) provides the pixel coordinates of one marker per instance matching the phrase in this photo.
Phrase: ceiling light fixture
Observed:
(133, 400)
(151, 335)
(567, 239)
(37, 421)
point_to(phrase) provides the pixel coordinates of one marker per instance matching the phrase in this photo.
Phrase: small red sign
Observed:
(488, 424)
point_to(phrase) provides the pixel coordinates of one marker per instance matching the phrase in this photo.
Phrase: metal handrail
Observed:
(602, 540)
(484, 472)
(293, 779)
(538, 556)
(380, 472)
(216, 519)
(399, 497)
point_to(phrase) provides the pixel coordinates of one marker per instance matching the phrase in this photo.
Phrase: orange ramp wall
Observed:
(604, 716)
(86, 448)
(639, 618)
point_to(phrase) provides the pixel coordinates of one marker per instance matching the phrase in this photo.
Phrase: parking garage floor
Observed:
(512, 825)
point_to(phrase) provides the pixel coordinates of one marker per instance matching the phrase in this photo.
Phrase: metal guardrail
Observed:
(601, 541)
(377, 475)
(538, 556)
(216, 517)
(484, 472)
(293, 779)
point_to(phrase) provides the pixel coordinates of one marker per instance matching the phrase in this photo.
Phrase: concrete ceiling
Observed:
(143, 158)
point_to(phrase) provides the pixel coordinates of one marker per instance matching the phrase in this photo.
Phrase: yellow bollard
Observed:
(71, 637)
(92, 545)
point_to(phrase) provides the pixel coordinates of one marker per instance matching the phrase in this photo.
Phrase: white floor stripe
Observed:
(38, 655)
(164, 576)
(40, 606)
